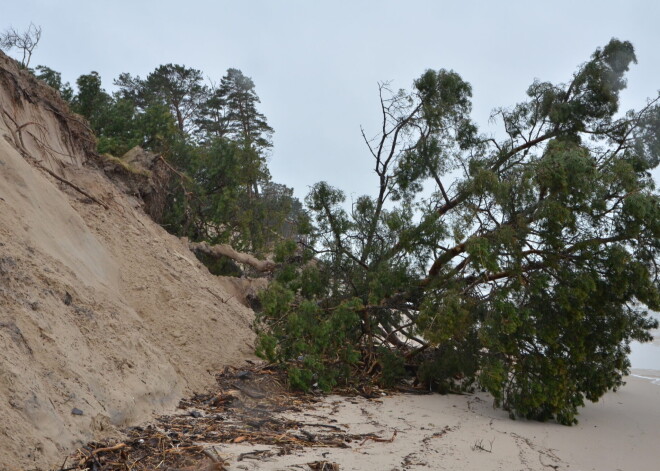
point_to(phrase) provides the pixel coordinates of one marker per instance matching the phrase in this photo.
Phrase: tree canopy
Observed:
(521, 263)
(179, 88)
(215, 139)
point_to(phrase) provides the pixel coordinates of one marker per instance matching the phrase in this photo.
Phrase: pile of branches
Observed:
(241, 410)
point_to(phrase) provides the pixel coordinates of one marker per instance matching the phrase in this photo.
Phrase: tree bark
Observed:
(224, 250)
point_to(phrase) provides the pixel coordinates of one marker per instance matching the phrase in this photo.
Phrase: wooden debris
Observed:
(109, 448)
(256, 454)
(378, 439)
(323, 466)
(242, 410)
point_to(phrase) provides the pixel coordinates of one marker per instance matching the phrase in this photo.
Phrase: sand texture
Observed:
(101, 311)
(619, 433)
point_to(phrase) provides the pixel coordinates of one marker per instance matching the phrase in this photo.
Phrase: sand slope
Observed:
(100, 309)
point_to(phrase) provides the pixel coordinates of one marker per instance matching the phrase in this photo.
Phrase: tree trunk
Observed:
(224, 250)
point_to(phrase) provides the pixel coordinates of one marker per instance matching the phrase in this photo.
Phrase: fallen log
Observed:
(224, 250)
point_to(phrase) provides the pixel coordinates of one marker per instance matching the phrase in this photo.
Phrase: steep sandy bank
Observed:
(100, 309)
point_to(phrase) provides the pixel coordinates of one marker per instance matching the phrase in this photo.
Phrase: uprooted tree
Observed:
(528, 275)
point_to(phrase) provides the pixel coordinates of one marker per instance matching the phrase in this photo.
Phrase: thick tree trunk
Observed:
(224, 250)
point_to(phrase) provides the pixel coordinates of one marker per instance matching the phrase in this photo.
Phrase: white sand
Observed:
(444, 432)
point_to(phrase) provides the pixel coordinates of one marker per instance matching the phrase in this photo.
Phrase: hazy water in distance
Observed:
(646, 356)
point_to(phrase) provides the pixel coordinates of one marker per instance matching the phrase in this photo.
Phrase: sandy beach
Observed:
(619, 433)
(128, 335)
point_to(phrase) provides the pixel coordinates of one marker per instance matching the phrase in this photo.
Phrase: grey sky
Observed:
(316, 64)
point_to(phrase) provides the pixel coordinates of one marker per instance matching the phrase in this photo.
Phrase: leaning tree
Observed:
(522, 262)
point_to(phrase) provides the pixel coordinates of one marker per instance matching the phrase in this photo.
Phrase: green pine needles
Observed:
(527, 270)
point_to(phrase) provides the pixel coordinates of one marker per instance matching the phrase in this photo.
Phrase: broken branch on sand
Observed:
(108, 448)
(378, 439)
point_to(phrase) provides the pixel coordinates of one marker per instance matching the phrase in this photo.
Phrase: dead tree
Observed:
(26, 41)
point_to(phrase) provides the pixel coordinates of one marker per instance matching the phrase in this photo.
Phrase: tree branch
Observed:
(224, 250)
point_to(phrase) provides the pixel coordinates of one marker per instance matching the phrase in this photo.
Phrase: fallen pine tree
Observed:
(527, 269)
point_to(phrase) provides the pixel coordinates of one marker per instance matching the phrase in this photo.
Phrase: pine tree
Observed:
(530, 274)
(179, 88)
(246, 126)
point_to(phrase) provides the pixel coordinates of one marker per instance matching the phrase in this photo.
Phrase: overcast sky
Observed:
(316, 64)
